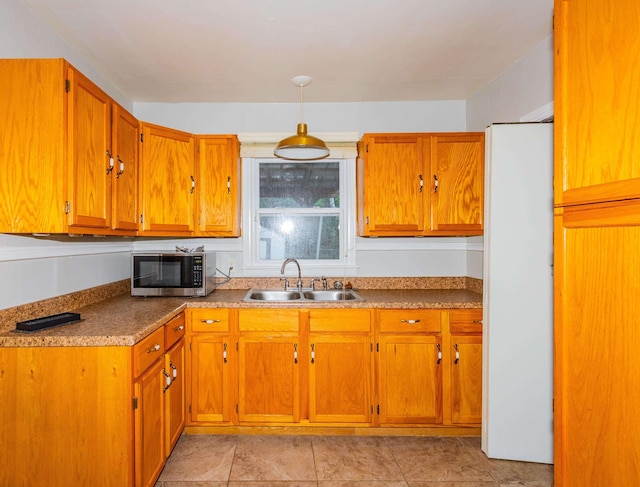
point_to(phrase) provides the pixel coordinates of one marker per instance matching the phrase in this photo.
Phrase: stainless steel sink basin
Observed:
(271, 295)
(278, 295)
(334, 295)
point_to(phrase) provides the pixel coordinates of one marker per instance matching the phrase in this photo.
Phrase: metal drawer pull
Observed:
(155, 348)
(439, 353)
(210, 322)
(410, 322)
(478, 321)
(457, 354)
(179, 328)
(167, 379)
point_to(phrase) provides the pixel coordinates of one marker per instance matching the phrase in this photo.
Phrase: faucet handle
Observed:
(313, 284)
(324, 283)
(286, 283)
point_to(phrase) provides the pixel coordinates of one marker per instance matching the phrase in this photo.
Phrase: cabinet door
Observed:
(456, 183)
(218, 186)
(596, 397)
(410, 376)
(174, 395)
(149, 425)
(167, 181)
(269, 387)
(597, 101)
(125, 134)
(339, 378)
(466, 379)
(210, 379)
(89, 113)
(391, 186)
(33, 146)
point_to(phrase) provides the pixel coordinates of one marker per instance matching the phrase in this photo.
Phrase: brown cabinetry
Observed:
(218, 186)
(167, 181)
(416, 184)
(596, 237)
(212, 359)
(410, 367)
(269, 366)
(60, 169)
(340, 367)
(175, 391)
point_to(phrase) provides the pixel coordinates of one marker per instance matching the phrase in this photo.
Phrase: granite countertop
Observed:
(124, 320)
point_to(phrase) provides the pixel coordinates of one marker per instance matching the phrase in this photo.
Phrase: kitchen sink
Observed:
(278, 295)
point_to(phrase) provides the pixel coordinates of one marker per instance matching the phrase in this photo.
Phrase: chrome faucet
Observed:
(284, 264)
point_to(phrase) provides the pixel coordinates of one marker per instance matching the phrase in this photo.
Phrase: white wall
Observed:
(524, 87)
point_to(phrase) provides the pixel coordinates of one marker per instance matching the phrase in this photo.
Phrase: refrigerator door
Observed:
(517, 419)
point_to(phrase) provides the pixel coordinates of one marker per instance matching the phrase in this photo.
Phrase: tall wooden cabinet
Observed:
(61, 139)
(596, 240)
(416, 184)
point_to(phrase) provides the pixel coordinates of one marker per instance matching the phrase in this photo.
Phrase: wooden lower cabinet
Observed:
(410, 379)
(340, 366)
(174, 395)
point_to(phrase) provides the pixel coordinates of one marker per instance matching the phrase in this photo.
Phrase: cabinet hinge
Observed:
(141, 137)
(189, 408)
(367, 220)
(378, 409)
(191, 350)
(237, 409)
(371, 347)
(372, 409)
(377, 347)
(67, 207)
(135, 403)
(67, 85)
(237, 349)
(141, 218)
(366, 148)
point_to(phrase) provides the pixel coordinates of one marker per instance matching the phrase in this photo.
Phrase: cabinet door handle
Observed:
(313, 353)
(439, 353)
(179, 328)
(436, 183)
(228, 184)
(210, 322)
(295, 353)
(174, 370)
(111, 162)
(167, 380)
(155, 348)
(224, 353)
(421, 183)
(121, 167)
(193, 184)
(457, 353)
(477, 321)
(410, 322)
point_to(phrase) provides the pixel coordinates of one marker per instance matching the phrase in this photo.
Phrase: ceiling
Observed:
(248, 50)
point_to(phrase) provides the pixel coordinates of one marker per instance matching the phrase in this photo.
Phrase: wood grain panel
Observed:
(466, 379)
(147, 351)
(126, 135)
(409, 320)
(340, 320)
(597, 74)
(261, 320)
(218, 169)
(174, 397)
(32, 146)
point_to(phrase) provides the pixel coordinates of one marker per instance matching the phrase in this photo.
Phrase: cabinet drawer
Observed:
(268, 320)
(465, 321)
(209, 320)
(409, 320)
(174, 330)
(340, 320)
(147, 351)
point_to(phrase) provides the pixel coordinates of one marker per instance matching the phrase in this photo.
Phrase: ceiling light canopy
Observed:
(302, 146)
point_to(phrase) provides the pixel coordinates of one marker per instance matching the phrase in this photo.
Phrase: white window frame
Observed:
(253, 266)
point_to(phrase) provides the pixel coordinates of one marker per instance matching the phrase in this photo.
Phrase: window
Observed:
(298, 210)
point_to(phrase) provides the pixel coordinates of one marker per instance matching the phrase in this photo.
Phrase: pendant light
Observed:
(301, 147)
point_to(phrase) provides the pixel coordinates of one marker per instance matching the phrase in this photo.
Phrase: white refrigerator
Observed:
(517, 403)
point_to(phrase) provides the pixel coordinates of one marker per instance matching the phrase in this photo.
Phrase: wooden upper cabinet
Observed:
(218, 186)
(33, 104)
(420, 184)
(391, 170)
(167, 181)
(457, 181)
(124, 176)
(597, 104)
(90, 151)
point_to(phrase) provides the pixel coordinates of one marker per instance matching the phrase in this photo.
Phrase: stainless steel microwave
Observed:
(173, 274)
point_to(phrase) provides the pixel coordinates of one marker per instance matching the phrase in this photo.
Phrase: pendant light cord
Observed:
(301, 105)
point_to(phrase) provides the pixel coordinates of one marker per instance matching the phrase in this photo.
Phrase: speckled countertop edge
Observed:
(124, 320)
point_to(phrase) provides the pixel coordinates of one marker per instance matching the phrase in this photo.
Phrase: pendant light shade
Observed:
(302, 146)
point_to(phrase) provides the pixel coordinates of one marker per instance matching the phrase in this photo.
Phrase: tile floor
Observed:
(342, 461)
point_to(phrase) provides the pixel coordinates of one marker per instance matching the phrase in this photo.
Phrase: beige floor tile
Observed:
(437, 459)
(200, 458)
(354, 458)
(262, 458)
(362, 483)
(272, 483)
